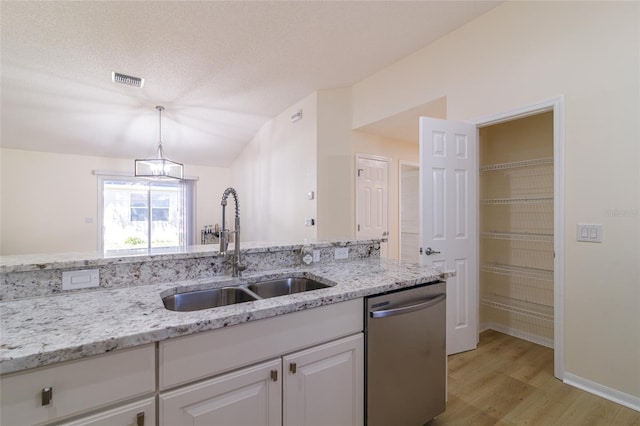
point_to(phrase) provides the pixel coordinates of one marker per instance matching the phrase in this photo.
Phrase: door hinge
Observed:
(358, 228)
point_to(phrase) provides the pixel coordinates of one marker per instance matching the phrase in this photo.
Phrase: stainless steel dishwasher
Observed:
(405, 332)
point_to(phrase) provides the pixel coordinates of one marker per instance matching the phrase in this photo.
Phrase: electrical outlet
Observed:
(341, 253)
(73, 280)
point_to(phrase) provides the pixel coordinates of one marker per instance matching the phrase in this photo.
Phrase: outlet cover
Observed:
(316, 255)
(341, 253)
(589, 232)
(73, 280)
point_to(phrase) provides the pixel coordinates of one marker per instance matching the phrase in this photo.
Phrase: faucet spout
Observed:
(237, 267)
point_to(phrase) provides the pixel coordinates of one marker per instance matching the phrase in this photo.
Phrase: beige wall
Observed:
(335, 165)
(273, 175)
(48, 199)
(521, 53)
(395, 150)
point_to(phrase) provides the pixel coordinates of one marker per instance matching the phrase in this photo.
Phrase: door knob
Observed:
(429, 251)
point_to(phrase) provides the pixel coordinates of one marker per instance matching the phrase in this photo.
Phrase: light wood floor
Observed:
(509, 381)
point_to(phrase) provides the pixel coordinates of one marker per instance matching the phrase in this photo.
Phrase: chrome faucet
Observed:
(236, 266)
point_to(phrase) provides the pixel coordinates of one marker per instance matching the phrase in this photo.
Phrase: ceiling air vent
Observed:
(127, 79)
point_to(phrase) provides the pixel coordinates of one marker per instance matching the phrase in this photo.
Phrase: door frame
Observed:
(358, 157)
(400, 164)
(555, 104)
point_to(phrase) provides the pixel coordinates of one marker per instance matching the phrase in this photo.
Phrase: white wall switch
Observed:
(589, 232)
(73, 280)
(316, 255)
(341, 253)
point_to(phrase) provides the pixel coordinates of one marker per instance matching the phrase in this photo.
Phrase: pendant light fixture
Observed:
(160, 167)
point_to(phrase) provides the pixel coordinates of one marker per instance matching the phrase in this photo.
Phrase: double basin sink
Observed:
(216, 297)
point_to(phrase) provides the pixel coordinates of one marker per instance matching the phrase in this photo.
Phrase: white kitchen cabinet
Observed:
(141, 413)
(250, 396)
(228, 376)
(63, 390)
(324, 385)
(202, 355)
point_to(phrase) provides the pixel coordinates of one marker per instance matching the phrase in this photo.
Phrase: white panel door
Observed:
(324, 385)
(372, 199)
(251, 396)
(448, 220)
(409, 212)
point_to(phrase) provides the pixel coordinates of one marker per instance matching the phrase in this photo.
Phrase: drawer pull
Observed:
(140, 419)
(47, 396)
(293, 367)
(274, 375)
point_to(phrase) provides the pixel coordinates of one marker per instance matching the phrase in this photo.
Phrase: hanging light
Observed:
(160, 167)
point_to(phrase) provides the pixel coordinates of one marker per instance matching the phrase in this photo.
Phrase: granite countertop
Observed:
(46, 330)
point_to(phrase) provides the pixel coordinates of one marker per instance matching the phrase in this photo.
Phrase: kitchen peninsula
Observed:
(44, 329)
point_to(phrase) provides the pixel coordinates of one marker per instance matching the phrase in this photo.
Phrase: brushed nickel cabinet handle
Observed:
(140, 419)
(47, 396)
(293, 367)
(274, 375)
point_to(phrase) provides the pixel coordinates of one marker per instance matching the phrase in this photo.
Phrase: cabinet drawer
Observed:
(76, 386)
(205, 354)
(141, 413)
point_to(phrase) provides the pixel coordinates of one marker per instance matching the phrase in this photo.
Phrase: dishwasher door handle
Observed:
(424, 304)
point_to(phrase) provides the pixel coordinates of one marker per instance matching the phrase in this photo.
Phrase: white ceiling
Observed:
(220, 68)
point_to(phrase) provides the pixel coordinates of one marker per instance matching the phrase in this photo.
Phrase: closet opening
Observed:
(517, 228)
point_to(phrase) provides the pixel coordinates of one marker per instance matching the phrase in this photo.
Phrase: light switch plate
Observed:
(341, 253)
(85, 278)
(589, 232)
(316, 255)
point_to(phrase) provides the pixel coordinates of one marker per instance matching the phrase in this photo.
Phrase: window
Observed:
(142, 214)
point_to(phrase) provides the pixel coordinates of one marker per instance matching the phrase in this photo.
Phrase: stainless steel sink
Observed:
(205, 299)
(284, 286)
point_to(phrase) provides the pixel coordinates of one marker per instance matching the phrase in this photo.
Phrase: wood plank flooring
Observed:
(509, 381)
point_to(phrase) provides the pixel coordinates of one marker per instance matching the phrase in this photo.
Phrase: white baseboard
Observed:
(605, 392)
(517, 333)
(594, 388)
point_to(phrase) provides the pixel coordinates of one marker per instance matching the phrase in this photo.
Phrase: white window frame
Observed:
(189, 207)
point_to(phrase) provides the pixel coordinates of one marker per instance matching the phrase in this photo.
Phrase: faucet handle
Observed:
(224, 241)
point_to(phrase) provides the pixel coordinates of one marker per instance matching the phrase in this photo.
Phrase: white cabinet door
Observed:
(324, 385)
(251, 396)
(141, 413)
